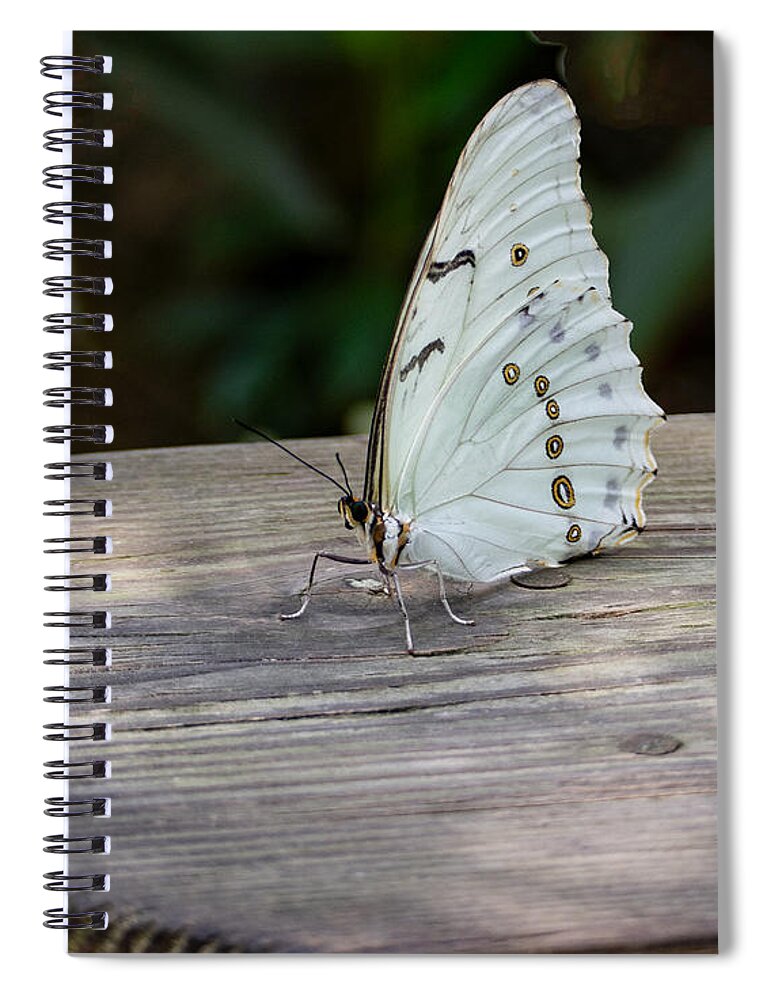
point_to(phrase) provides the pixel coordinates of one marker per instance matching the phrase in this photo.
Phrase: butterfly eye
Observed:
(359, 511)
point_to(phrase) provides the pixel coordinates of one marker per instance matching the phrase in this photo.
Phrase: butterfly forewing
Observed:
(517, 180)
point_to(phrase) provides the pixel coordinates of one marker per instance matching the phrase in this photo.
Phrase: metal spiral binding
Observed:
(63, 284)
(80, 322)
(58, 175)
(81, 656)
(86, 624)
(54, 66)
(78, 619)
(86, 920)
(56, 139)
(90, 211)
(98, 544)
(60, 361)
(61, 882)
(59, 249)
(57, 100)
(60, 808)
(78, 508)
(88, 433)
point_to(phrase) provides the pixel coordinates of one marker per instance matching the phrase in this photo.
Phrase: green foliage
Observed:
(273, 190)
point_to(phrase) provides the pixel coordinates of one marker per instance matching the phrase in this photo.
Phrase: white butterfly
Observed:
(511, 428)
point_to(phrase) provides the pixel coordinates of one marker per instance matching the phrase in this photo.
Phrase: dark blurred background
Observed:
(272, 191)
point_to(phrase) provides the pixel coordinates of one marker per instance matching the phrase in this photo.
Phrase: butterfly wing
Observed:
(513, 219)
(511, 427)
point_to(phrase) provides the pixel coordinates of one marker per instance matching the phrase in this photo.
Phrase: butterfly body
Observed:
(382, 535)
(511, 429)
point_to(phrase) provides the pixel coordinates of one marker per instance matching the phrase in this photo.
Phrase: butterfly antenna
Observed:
(255, 430)
(344, 473)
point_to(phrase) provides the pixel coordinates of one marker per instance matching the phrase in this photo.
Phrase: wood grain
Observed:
(305, 785)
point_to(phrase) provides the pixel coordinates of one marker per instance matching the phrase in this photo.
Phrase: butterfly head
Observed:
(355, 513)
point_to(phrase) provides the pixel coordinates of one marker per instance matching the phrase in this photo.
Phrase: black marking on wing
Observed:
(420, 359)
(621, 436)
(439, 268)
(612, 496)
(592, 352)
(557, 332)
(525, 317)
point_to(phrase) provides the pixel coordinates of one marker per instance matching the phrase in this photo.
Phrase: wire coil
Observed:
(71, 284)
(99, 545)
(79, 322)
(58, 139)
(99, 583)
(57, 843)
(87, 920)
(57, 101)
(59, 249)
(54, 66)
(60, 808)
(60, 361)
(78, 508)
(86, 433)
(100, 471)
(66, 213)
(57, 175)
(62, 882)
(61, 732)
(64, 770)
(77, 395)
(78, 619)
(99, 656)
(59, 694)
(90, 211)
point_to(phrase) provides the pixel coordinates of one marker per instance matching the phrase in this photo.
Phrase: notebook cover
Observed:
(544, 782)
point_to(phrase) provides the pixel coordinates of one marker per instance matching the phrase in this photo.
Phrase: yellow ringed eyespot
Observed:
(552, 409)
(554, 446)
(563, 492)
(573, 533)
(511, 373)
(519, 253)
(541, 385)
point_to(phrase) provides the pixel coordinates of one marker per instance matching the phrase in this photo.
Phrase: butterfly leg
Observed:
(400, 598)
(332, 558)
(441, 589)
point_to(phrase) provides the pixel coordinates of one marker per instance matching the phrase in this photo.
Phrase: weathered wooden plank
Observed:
(306, 785)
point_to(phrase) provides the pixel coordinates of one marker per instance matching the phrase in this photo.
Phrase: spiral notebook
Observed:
(276, 737)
